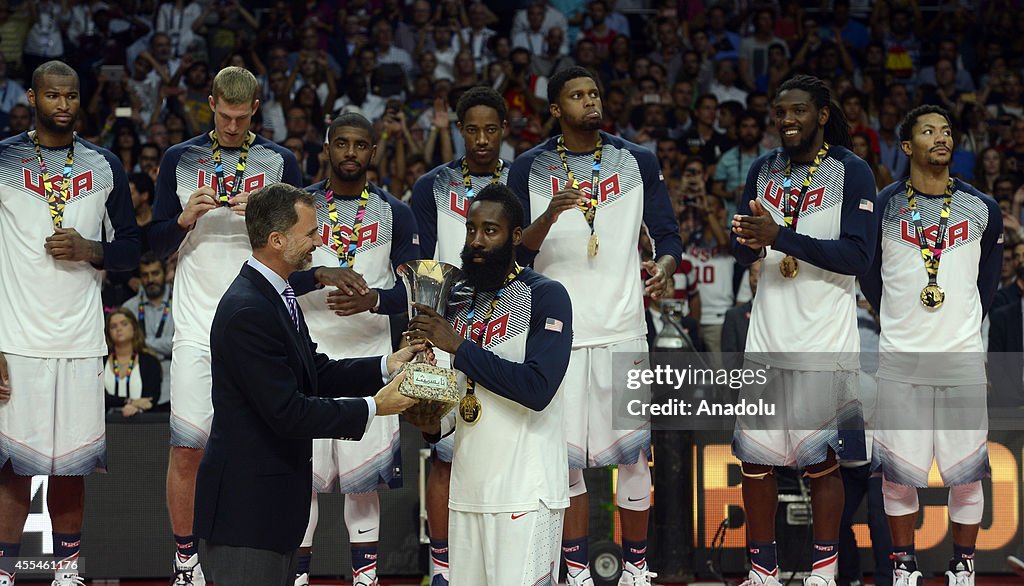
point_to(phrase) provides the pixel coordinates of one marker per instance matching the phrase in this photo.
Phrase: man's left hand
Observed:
(657, 286)
(68, 244)
(758, 230)
(429, 325)
(405, 355)
(239, 203)
(342, 304)
(344, 278)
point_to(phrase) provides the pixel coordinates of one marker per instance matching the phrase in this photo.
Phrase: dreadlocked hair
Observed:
(837, 130)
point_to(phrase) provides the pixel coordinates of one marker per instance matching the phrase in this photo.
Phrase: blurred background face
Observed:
(860, 147)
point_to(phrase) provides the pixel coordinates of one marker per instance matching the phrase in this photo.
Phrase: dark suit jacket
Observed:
(255, 479)
(734, 333)
(1005, 362)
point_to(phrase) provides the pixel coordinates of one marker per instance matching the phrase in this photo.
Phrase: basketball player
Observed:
(510, 343)
(440, 201)
(201, 194)
(585, 238)
(807, 210)
(367, 232)
(65, 215)
(935, 273)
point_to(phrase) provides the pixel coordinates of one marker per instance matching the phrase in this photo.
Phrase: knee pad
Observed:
(899, 499)
(362, 517)
(633, 489)
(577, 485)
(314, 517)
(756, 471)
(966, 503)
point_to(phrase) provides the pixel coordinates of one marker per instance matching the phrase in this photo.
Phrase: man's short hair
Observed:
(481, 96)
(559, 79)
(272, 209)
(149, 257)
(235, 85)
(351, 120)
(511, 207)
(907, 126)
(58, 68)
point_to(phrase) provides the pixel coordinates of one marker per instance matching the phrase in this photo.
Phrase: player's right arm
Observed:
(424, 208)
(871, 281)
(170, 222)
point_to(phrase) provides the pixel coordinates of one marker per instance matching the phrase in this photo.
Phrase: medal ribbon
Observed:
(590, 209)
(346, 254)
(468, 181)
(470, 383)
(223, 197)
(931, 255)
(791, 214)
(117, 372)
(56, 198)
(163, 318)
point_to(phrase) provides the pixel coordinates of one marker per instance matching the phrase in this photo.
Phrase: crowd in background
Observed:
(689, 79)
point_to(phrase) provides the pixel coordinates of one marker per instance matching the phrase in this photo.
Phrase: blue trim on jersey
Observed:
(165, 235)
(533, 382)
(852, 253)
(871, 281)
(424, 207)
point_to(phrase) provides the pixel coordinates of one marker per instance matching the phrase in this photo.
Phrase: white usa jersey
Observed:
(518, 368)
(608, 296)
(812, 318)
(440, 205)
(386, 240)
(52, 308)
(210, 254)
(968, 274)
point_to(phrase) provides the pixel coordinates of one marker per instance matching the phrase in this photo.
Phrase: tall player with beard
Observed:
(440, 202)
(201, 195)
(366, 233)
(65, 215)
(510, 342)
(934, 405)
(585, 238)
(807, 210)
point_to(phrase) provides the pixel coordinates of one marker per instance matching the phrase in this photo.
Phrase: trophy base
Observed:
(428, 382)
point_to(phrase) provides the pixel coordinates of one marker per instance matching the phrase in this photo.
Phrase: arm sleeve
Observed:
(851, 254)
(165, 236)
(121, 253)
(871, 281)
(272, 388)
(425, 209)
(519, 183)
(348, 377)
(403, 250)
(533, 382)
(744, 254)
(991, 260)
(658, 216)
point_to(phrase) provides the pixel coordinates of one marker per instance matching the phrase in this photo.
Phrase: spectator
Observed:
(597, 30)
(446, 50)
(891, 155)
(176, 18)
(44, 41)
(851, 33)
(723, 44)
(127, 356)
(310, 48)
(19, 120)
(861, 146)
(144, 91)
(474, 37)
(387, 52)
(902, 48)
(273, 109)
(298, 148)
(357, 96)
(702, 139)
(724, 86)
(142, 190)
(669, 52)
(465, 75)
(196, 97)
(852, 102)
(553, 59)
(416, 37)
(316, 74)
(12, 93)
(532, 37)
(152, 305)
(731, 172)
(737, 322)
(157, 135)
(988, 166)
(947, 49)
(586, 57)
(166, 67)
(574, 13)
(14, 27)
(754, 60)
(226, 26)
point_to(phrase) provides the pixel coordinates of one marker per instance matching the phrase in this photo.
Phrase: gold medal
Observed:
(789, 267)
(932, 296)
(592, 245)
(469, 409)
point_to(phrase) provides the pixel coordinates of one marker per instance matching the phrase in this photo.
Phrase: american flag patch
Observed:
(1000, 239)
(867, 205)
(552, 324)
(416, 239)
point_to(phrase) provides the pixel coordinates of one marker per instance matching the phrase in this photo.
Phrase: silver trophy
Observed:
(430, 283)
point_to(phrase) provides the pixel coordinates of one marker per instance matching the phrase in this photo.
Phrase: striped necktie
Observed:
(293, 306)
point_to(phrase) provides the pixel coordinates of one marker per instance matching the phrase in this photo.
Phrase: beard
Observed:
(155, 291)
(53, 126)
(591, 125)
(346, 176)
(801, 148)
(490, 274)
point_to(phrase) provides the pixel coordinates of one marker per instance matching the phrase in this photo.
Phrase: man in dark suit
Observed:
(272, 394)
(1005, 346)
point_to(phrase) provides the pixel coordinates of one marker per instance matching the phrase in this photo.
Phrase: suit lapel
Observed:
(299, 338)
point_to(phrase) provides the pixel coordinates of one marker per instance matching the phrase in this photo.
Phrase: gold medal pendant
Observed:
(789, 267)
(592, 246)
(469, 409)
(932, 296)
